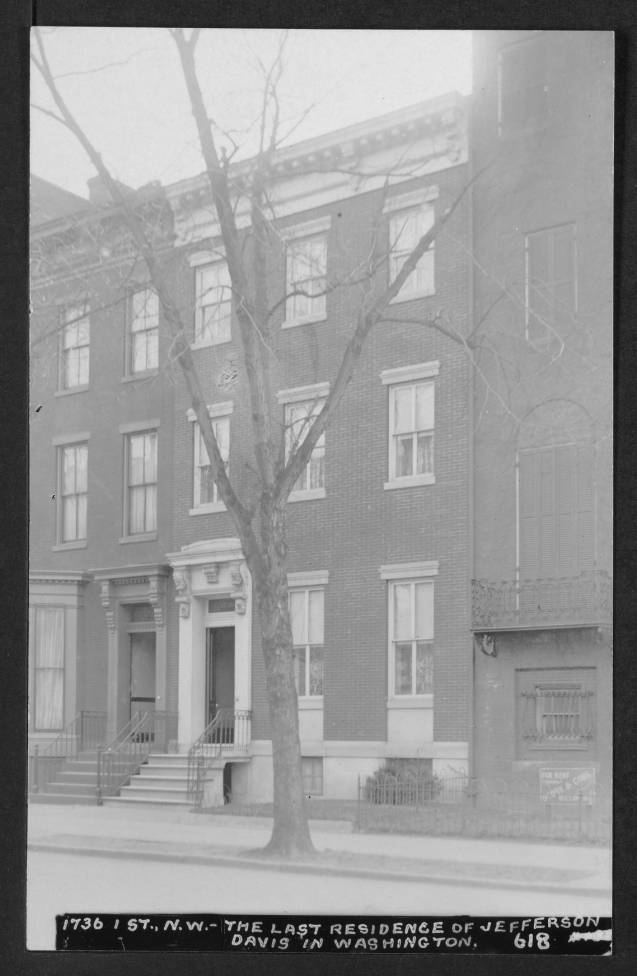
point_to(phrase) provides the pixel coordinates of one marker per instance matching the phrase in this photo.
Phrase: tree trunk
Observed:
(290, 832)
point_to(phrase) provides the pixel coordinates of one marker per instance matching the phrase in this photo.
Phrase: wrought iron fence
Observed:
(464, 806)
(131, 747)
(83, 734)
(227, 734)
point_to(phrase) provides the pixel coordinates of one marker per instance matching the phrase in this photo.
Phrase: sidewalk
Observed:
(163, 833)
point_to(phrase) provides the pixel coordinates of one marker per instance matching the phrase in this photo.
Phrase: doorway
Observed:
(220, 677)
(142, 673)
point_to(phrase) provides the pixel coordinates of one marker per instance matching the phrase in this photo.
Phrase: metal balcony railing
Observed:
(569, 601)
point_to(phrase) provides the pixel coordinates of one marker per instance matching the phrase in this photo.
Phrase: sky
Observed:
(125, 87)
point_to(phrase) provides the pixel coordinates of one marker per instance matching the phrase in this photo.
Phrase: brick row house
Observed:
(431, 500)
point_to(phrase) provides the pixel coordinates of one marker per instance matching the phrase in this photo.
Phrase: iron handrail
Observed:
(228, 731)
(130, 749)
(85, 731)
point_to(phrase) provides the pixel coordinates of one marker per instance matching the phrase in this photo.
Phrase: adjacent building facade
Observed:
(449, 541)
(542, 136)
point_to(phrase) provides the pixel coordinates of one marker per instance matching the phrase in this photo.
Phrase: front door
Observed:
(220, 672)
(142, 673)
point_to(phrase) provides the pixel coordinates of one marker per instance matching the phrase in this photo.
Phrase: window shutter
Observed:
(585, 509)
(529, 514)
(566, 516)
(547, 554)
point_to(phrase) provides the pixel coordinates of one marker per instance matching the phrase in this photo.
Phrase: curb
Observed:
(226, 860)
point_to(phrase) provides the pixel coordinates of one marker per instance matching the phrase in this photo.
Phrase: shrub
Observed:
(401, 783)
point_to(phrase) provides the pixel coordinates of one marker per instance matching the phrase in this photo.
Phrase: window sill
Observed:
(412, 296)
(307, 320)
(63, 546)
(306, 496)
(410, 481)
(195, 346)
(72, 389)
(208, 509)
(142, 537)
(309, 703)
(411, 701)
(143, 374)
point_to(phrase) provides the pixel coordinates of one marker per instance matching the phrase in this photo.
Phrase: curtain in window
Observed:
(49, 668)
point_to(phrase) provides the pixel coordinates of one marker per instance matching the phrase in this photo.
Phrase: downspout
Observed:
(470, 450)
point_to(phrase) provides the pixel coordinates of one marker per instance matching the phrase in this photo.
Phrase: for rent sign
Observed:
(567, 784)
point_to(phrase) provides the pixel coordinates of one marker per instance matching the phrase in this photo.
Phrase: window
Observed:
(213, 301)
(72, 492)
(411, 424)
(306, 619)
(556, 708)
(556, 512)
(306, 270)
(144, 331)
(523, 92)
(312, 770)
(48, 672)
(411, 641)
(74, 347)
(550, 282)
(205, 489)
(298, 418)
(406, 227)
(141, 483)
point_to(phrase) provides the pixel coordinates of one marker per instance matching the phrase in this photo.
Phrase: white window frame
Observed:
(313, 397)
(405, 377)
(145, 333)
(304, 584)
(419, 206)
(38, 611)
(203, 339)
(129, 431)
(309, 766)
(218, 412)
(409, 574)
(297, 237)
(62, 445)
(72, 316)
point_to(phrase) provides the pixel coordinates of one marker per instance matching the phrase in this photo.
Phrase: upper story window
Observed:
(74, 347)
(144, 331)
(411, 216)
(306, 272)
(213, 304)
(306, 619)
(301, 406)
(522, 85)
(411, 424)
(550, 282)
(141, 483)
(72, 492)
(205, 491)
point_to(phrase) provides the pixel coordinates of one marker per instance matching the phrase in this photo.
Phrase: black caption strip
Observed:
(572, 935)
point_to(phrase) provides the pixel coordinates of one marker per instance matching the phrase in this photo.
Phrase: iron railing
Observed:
(569, 601)
(130, 749)
(84, 733)
(466, 806)
(228, 734)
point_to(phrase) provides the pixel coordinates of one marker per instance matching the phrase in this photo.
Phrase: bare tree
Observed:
(280, 455)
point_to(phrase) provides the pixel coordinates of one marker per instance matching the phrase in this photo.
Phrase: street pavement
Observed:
(156, 833)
